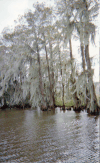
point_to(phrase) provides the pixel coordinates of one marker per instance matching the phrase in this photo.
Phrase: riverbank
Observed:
(64, 108)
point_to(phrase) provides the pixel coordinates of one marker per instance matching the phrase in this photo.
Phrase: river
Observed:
(33, 136)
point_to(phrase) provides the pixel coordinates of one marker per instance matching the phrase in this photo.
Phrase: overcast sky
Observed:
(10, 9)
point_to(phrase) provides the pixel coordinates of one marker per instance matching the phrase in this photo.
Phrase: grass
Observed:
(68, 103)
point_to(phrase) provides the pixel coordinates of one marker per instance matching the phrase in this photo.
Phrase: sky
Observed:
(11, 9)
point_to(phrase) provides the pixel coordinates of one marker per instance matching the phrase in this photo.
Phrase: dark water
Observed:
(53, 136)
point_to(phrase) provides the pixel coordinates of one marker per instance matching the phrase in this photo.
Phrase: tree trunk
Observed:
(83, 57)
(93, 99)
(43, 107)
(61, 72)
(63, 95)
(52, 75)
(51, 98)
(76, 99)
(83, 66)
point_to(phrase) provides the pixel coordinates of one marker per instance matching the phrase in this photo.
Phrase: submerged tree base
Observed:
(49, 108)
(96, 112)
(4, 107)
(68, 108)
(17, 106)
(80, 108)
(44, 108)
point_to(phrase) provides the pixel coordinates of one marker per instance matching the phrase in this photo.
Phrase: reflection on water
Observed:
(53, 136)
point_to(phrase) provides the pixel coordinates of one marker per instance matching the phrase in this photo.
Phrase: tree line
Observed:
(37, 65)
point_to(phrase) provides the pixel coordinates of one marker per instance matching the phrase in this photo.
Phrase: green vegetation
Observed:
(68, 103)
